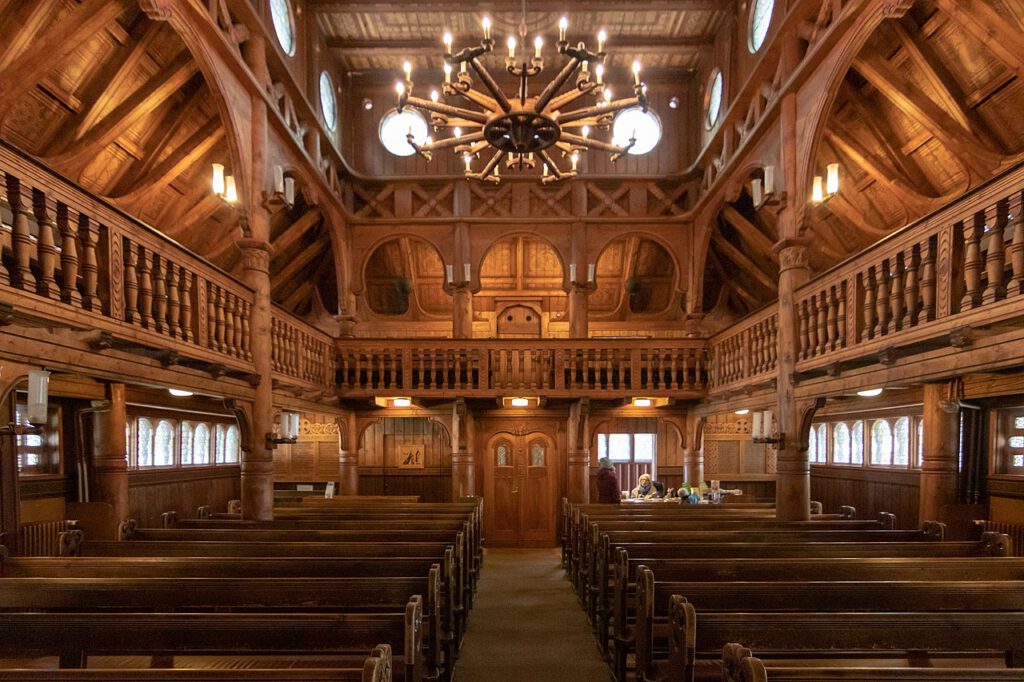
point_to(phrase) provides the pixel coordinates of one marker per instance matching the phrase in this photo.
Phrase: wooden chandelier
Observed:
(522, 129)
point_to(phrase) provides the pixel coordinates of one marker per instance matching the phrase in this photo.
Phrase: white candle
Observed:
(511, 47)
(563, 26)
(572, 272)
(538, 43)
(600, 73)
(407, 67)
(487, 27)
(591, 271)
(636, 72)
(447, 72)
(602, 36)
(447, 42)
(466, 272)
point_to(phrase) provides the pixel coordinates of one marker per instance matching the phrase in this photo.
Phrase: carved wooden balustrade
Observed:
(502, 367)
(301, 352)
(71, 260)
(746, 352)
(926, 284)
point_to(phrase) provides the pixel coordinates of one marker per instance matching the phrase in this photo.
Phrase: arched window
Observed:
(812, 446)
(328, 101)
(841, 443)
(201, 449)
(537, 454)
(713, 99)
(822, 446)
(857, 443)
(163, 444)
(284, 24)
(503, 455)
(920, 442)
(144, 443)
(881, 442)
(232, 445)
(901, 442)
(220, 444)
(760, 21)
(186, 443)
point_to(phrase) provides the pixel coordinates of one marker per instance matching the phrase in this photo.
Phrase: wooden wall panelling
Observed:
(379, 470)
(869, 490)
(314, 458)
(151, 493)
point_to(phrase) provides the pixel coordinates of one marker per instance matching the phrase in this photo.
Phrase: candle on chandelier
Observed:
(469, 160)
(447, 42)
(563, 26)
(586, 69)
(608, 95)
(407, 67)
(400, 88)
(602, 36)
(599, 71)
(545, 173)
(575, 159)
(457, 132)
(636, 72)
(538, 43)
(434, 96)
(511, 47)
(462, 69)
(486, 22)
(586, 132)
(447, 72)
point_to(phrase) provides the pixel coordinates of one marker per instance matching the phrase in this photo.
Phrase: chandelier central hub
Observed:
(519, 129)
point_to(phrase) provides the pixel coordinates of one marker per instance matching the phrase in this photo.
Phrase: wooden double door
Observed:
(520, 478)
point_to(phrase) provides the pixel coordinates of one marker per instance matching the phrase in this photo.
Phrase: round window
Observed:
(328, 102)
(635, 122)
(713, 99)
(284, 24)
(760, 20)
(394, 128)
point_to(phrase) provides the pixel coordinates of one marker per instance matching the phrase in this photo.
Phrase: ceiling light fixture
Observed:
(642, 402)
(523, 129)
(870, 392)
(179, 393)
(742, 412)
(401, 402)
(520, 402)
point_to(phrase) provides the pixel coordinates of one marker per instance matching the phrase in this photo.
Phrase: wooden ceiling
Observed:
(929, 109)
(378, 36)
(121, 108)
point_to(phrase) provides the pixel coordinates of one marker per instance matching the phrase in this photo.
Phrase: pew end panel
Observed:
(682, 641)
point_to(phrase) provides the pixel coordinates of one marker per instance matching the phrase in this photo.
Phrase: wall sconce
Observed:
(762, 428)
(224, 185)
(286, 429)
(284, 188)
(520, 401)
(823, 190)
(763, 189)
(38, 400)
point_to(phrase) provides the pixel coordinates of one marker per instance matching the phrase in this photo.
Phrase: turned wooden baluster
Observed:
(822, 302)
(46, 247)
(21, 239)
(896, 275)
(812, 326)
(247, 329)
(219, 321)
(237, 317)
(973, 232)
(804, 347)
(185, 298)
(868, 316)
(159, 295)
(275, 344)
(881, 298)
(995, 261)
(833, 318)
(927, 313)
(230, 340)
(841, 315)
(131, 283)
(173, 300)
(145, 288)
(1017, 251)
(68, 227)
(911, 292)
(89, 235)
(211, 316)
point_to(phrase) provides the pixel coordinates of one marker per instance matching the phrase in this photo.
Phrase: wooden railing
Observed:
(73, 260)
(930, 278)
(624, 367)
(745, 350)
(300, 351)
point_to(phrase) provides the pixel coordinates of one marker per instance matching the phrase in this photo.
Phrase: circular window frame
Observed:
(288, 50)
(754, 49)
(394, 112)
(330, 122)
(649, 112)
(719, 75)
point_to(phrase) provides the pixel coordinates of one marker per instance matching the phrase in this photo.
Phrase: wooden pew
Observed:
(347, 595)
(75, 636)
(376, 668)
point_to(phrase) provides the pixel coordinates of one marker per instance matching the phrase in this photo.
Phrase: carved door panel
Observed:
(520, 479)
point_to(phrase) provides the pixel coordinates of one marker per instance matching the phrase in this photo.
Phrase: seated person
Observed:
(644, 489)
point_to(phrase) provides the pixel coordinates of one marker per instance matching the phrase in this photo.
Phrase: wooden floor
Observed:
(527, 625)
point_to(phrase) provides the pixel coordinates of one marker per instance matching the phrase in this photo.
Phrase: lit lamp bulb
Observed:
(218, 179)
(511, 47)
(538, 43)
(563, 26)
(407, 67)
(486, 23)
(447, 72)
(447, 42)
(607, 95)
(433, 96)
(599, 72)
(545, 171)
(400, 88)
(832, 179)
(469, 160)
(575, 159)
(586, 131)
(457, 132)
(230, 192)
(602, 36)
(817, 192)
(636, 72)
(520, 402)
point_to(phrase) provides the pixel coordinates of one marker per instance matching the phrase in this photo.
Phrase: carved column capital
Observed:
(256, 254)
(793, 256)
(896, 9)
(157, 10)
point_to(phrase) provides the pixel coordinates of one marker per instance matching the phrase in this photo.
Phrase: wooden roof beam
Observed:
(27, 19)
(476, 6)
(298, 295)
(989, 28)
(432, 47)
(181, 159)
(54, 45)
(908, 99)
(296, 265)
(879, 171)
(744, 262)
(173, 121)
(730, 283)
(293, 232)
(749, 232)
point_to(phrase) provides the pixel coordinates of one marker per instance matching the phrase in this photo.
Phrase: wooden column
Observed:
(348, 455)
(578, 480)
(463, 457)
(579, 310)
(693, 456)
(462, 311)
(941, 452)
(9, 503)
(110, 469)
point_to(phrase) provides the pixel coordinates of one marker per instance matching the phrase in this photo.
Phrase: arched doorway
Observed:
(519, 478)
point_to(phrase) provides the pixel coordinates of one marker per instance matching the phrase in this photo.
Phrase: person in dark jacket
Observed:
(607, 482)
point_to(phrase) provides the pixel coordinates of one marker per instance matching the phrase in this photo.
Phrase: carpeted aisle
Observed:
(526, 624)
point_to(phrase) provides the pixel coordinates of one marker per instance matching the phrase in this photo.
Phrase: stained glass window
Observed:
(635, 122)
(714, 98)
(857, 443)
(501, 455)
(920, 442)
(902, 442)
(163, 444)
(841, 443)
(144, 443)
(812, 447)
(232, 445)
(881, 442)
(537, 455)
(186, 442)
(220, 436)
(394, 128)
(760, 21)
(284, 24)
(1018, 422)
(328, 101)
(1017, 441)
(201, 452)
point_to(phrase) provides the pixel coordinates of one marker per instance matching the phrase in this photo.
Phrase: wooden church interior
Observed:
(274, 379)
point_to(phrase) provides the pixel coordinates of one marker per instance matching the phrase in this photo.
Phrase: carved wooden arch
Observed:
(671, 420)
(807, 411)
(678, 272)
(365, 423)
(199, 35)
(369, 250)
(478, 260)
(242, 412)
